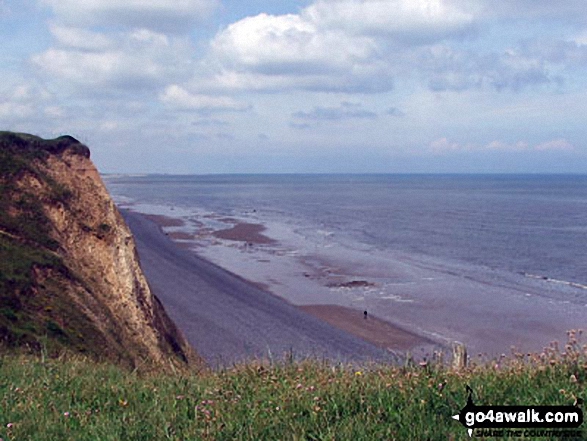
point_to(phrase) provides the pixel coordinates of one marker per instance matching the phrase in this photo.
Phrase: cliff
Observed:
(69, 272)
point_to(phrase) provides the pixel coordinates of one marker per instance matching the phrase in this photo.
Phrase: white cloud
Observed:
(413, 20)
(451, 69)
(22, 101)
(79, 38)
(555, 145)
(363, 45)
(268, 52)
(505, 147)
(568, 10)
(342, 45)
(178, 98)
(160, 15)
(11, 110)
(54, 112)
(135, 60)
(443, 146)
(27, 93)
(581, 38)
(4, 9)
(346, 110)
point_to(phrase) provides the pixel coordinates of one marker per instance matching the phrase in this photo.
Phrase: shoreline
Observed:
(374, 330)
(491, 312)
(229, 320)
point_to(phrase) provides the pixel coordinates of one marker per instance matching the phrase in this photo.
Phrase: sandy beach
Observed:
(229, 320)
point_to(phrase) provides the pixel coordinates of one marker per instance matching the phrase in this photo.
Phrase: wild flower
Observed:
(66, 414)
(9, 425)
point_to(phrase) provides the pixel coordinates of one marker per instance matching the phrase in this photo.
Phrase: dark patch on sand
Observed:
(351, 284)
(181, 235)
(245, 232)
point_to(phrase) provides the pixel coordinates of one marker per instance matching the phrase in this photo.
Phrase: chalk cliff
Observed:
(69, 271)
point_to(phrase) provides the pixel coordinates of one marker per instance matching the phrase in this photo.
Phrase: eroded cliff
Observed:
(69, 271)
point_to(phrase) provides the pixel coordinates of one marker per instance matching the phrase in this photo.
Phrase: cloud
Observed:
(394, 111)
(562, 54)
(444, 146)
(79, 38)
(344, 111)
(4, 9)
(178, 98)
(134, 60)
(458, 70)
(362, 46)
(404, 20)
(555, 145)
(505, 147)
(268, 52)
(334, 46)
(11, 110)
(159, 15)
(571, 11)
(25, 101)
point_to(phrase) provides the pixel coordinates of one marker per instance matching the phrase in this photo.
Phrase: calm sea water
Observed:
(534, 224)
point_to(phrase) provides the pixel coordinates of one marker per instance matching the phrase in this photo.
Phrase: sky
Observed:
(307, 86)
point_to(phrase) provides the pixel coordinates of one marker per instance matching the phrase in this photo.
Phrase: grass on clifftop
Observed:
(74, 399)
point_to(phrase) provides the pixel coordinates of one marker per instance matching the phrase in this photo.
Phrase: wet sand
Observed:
(229, 320)
(245, 232)
(165, 221)
(372, 329)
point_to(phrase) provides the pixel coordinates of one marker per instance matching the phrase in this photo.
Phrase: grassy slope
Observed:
(74, 399)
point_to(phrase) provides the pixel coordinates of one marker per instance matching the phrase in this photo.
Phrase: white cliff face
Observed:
(98, 247)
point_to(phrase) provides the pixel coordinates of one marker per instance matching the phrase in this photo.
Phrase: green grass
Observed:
(74, 399)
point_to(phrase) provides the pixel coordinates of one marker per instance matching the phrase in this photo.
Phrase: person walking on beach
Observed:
(365, 315)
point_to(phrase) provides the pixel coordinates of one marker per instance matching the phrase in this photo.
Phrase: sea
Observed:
(495, 261)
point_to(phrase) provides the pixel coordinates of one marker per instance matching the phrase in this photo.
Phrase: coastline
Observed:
(374, 330)
(491, 311)
(229, 320)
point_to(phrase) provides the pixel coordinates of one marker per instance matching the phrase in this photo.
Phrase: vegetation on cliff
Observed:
(69, 275)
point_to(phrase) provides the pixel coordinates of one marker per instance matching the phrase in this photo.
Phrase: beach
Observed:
(433, 260)
(229, 320)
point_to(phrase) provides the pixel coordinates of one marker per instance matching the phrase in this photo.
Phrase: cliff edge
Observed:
(69, 271)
